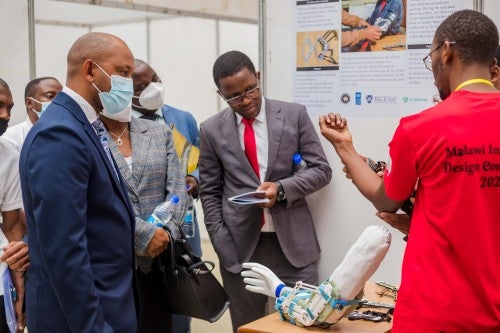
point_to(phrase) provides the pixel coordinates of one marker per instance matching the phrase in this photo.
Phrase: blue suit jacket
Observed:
(80, 228)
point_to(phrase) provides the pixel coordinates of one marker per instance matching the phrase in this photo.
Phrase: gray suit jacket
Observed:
(225, 171)
(156, 176)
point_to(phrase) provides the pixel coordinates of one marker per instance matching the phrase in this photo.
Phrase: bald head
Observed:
(92, 59)
(97, 46)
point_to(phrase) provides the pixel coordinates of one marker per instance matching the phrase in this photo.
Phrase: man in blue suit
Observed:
(80, 222)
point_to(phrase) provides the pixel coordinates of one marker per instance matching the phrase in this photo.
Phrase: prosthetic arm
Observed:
(306, 305)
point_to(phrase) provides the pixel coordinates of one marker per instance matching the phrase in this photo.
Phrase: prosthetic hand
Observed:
(307, 305)
(261, 280)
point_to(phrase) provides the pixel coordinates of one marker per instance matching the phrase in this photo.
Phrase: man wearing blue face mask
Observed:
(80, 221)
(38, 95)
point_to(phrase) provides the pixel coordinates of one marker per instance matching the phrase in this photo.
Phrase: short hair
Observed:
(231, 63)
(4, 84)
(475, 35)
(29, 91)
(139, 62)
(497, 55)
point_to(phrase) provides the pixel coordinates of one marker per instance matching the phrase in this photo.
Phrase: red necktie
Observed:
(250, 145)
(251, 150)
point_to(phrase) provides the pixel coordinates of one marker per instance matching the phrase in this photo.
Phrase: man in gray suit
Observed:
(247, 147)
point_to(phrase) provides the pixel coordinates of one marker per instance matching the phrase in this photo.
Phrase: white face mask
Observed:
(151, 98)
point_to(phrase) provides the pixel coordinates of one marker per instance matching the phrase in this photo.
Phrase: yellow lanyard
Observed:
(472, 81)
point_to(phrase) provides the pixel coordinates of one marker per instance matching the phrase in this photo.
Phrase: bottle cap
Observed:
(297, 158)
(175, 200)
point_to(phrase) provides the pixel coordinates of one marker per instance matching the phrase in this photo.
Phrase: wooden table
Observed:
(273, 324)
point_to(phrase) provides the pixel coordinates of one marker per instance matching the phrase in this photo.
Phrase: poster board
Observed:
(394, 81)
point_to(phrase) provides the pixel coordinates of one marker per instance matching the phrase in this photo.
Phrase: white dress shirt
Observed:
(90, 112)
(262, 143)
(10, 189)
(17, 133)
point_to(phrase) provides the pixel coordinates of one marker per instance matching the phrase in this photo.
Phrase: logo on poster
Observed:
(345, 98)
(358, 98)
(414, 99)
(381, 99)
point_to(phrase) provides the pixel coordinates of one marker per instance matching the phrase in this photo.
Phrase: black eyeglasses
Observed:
(428, 60)
(237, 100)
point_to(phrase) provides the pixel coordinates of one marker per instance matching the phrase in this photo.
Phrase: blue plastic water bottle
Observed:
(163, 212)
(299, 165)
(188, 225)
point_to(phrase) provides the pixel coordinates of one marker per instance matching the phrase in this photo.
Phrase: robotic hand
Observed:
(307, 305)
(261, 280)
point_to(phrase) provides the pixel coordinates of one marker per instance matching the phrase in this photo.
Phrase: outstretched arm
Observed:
(334, 129)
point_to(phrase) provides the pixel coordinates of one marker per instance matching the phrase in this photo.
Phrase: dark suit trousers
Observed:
(3, 320)
(152, 317)
(247, 306)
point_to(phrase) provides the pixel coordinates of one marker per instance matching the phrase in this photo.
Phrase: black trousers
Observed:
(3, 320)
(152, 318)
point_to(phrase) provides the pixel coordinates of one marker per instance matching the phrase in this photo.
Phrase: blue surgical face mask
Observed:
(44, 107)
(118, 101)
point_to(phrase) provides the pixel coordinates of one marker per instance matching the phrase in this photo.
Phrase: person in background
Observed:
(250, 146)
(364, 31)
(80, 221)
(13, 226)
(453, 151)
(148, 103)
(388, 16)
(37, 96)
(145, 155)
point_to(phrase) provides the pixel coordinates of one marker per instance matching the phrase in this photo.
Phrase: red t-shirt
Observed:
(451, 268)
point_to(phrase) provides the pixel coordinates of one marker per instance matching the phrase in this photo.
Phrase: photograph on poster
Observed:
(371, 25)
(318, 50)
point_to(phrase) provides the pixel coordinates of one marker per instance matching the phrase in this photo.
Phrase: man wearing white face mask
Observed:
(38, 95)
(148, 103)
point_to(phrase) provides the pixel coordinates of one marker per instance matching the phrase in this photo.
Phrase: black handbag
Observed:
(186, 285)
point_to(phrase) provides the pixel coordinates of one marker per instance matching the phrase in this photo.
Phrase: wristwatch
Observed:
(280, 196)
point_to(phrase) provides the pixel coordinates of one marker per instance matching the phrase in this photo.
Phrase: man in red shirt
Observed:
(451, 273)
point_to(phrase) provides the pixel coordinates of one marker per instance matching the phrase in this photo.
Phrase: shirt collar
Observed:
(137, 114)
(261, 117)
(88, 110)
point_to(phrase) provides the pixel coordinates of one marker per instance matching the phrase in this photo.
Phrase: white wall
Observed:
(14, 58)
(492, 9)
(51, 52)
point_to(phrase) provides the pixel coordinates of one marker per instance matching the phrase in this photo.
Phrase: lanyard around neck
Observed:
(472, 81)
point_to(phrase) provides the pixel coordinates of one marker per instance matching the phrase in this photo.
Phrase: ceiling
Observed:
(89, 13)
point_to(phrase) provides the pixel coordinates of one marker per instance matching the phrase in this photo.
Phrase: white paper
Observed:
(249, 198)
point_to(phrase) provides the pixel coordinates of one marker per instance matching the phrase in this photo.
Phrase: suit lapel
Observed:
(141, 141)
(230, 132)
(74, 108)
(275, 124)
